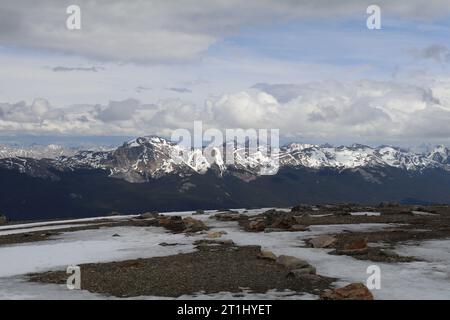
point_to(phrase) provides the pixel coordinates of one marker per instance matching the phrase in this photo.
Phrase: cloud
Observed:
(140, 89)
(22, 113)
(180, 90)
(171, 31)
(69, 69)
(435, 52)
(328, 111)
(119, 110)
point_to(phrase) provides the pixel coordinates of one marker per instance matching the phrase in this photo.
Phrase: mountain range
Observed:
(152, 173)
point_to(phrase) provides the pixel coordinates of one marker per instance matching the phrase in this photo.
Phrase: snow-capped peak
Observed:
(152, 157)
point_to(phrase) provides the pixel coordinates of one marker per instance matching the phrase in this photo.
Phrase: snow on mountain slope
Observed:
(440, 154)
(36, 151)
(153, 157)
(355, 156)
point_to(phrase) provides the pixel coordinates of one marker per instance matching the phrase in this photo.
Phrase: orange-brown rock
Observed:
(353, 291)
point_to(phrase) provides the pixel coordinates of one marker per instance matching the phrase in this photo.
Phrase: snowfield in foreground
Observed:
(427, 279)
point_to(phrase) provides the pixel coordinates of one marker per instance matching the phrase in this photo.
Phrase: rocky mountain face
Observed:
(153, 157)
(151, 173)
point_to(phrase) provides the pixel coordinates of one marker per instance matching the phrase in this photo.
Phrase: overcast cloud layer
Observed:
(168, 31)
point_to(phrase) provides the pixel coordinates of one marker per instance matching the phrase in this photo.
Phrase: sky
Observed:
(311, 69)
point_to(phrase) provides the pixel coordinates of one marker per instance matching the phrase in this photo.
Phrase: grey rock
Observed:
(296, 273)
(292, 262)
(149, 215)
(322, 241)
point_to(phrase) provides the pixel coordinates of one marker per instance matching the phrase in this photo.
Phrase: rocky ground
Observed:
(416, 223)
(214, 267)
(218, 264)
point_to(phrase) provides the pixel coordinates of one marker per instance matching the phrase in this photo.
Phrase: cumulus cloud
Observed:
(167, 31)
(119, 110)
(358, 111)
(329, 111)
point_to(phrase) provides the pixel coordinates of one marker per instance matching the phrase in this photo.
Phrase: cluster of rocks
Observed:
(351, 247)
(176, 224)
(301, 269)
(298, 270)
(273, 221)
(335, 209)
(229, 216)
(327, 208)
(358, 248)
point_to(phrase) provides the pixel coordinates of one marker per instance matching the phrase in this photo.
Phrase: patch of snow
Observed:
(87, 246)
(422, 213)
(46, 228)
(18, 288)
(46, 223)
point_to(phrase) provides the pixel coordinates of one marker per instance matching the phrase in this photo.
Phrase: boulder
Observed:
(313, 280)
(148, 215)
(358, 246)
(269, 255)
(292, 262)
(227, 242)
(323, 241)
(199, 212)
(280, 221)
(257, 225)
(389, 253)
(228, 216)
(298, 273)
(172, 223)
(193, 225)
(165, 244)
(354, 291)
(215, 234)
